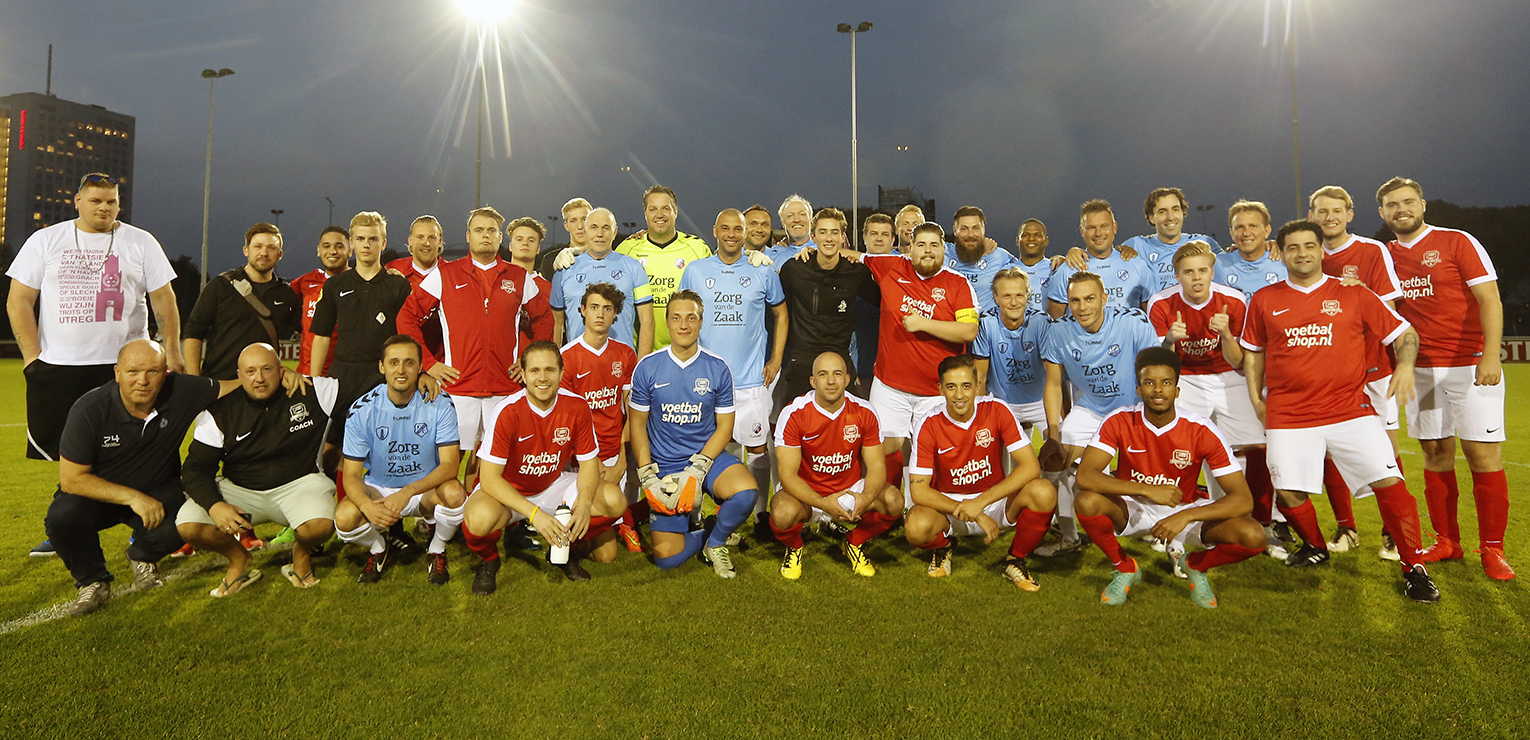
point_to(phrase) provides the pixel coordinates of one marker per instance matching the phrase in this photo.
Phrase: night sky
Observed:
(1023, 108)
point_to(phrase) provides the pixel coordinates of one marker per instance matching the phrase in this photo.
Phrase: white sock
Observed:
(367, 535)
(1066, 523)
(447, 522)
(759, 465)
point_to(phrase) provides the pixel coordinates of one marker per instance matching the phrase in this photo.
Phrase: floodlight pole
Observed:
(212, 77)
(1296, 132)
(855, 166)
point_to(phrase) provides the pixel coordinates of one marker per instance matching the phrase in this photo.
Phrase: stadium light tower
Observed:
(1296, 131)
(211, 77)
(855, 165)
(483, 14)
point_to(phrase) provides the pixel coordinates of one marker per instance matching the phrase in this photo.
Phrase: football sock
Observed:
(1103, 532)
(759, 465)
(1338, 495)
(1491, 490)
(1221, 554)
(1257, 472)
(1030, 527)
(730, 514)
(1400, 472)
(485, 546)
(1399, 516)
(339, 487)
(1067, 521)
(1441, 494)
(791, 536)
(599, 525)
(447, 522)
(872, 524)
(941, 540)
(895, 468)
(639, 511)
(365, 534)
(1303, 518)
(693, 542)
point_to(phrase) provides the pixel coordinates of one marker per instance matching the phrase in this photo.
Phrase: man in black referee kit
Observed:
(241, 307)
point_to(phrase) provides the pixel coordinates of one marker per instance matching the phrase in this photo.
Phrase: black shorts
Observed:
(796, 372)
(51, 391)
(356, 378)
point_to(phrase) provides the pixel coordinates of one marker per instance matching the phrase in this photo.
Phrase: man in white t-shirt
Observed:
(91, 274)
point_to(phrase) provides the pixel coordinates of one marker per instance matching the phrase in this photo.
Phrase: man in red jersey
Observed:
(1159, 453)
(958, 482)
(479, 300)
(334, 258)
(831, 465)
(1351, 257)
(535, 321)
(1309, 332)
(426, 242)
(533, 437)
(1450, 292)
(599, 368)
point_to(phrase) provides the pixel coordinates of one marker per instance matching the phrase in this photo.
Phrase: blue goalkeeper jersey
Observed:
(981, 273)
(1240, 274)
(1015, 372)
(736, 301)
(1160, 256)
(398, 444)
(682, 401)
(1128, 282)
(1101, 366)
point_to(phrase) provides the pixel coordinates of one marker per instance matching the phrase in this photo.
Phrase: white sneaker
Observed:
(722, 562)
(1344, 540)
(1388, 549)
(1273, 546)
(1176, 555)
(1158, 545)
(1057, 547)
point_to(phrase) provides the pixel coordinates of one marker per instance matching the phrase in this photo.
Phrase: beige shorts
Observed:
(303, 500)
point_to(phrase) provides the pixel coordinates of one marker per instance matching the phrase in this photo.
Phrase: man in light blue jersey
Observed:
(976, 257)
(797, 221)
(401, 458)
(1032, 242)
(598, 264)
(1094, 349)
(738, 297)
(1126, 282)
(1008, 350)
(1165, 209)
(682, 419)
(1248, 267)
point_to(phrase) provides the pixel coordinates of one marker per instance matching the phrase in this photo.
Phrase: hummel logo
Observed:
(242, 436)
(659, 385)
(523, 439)
(942, 452)
(460, 287)
(345, 293)
(1281, 311)
(580, 375)
(1138, 452)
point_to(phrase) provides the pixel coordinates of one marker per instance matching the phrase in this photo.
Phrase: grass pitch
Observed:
(1336, 652)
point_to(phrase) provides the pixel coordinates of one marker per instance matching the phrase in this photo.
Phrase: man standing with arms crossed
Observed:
(1450, 292)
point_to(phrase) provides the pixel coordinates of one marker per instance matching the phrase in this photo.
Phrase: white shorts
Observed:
(1142, 516)
(608, 462)
(998, 511)
(472, 419)
(1386, 408)
(846, 502)
(410, 509)
(1449, 404)
(751, 416)
(1359, 447)
(305, 499)
(1031, 416)
(1222, 398)
(564, 490)
(897, 411)
(1079, 427)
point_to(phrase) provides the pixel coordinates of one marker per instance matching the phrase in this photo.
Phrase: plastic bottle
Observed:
(558, 555)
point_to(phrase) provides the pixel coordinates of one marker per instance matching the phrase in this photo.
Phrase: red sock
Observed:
(872, 524)
(599, 525)
(1400, 472)
(1399, 515)
(486, 546)
(1303, 518)
(1441, 494)
(1030, 527)
(895, 468)
(1491, 490)
(627, 519)
(1103, 532)
(1259, 484)
(339, 487)
(941, 540)
(640, 511)
(791, 536)
(1222, 554)
(1338, 495)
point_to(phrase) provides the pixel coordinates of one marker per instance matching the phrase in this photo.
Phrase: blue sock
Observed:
(730, 514)
(692, 545)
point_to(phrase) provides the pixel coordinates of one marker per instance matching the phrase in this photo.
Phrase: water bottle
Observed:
(559, 553)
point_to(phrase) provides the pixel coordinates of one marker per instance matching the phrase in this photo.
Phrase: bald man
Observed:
(268, 448)
(118, 461)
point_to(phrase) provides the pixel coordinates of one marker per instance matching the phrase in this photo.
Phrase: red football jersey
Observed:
(535, 445)
(1438, 271)
(536, 320)
(479, 307)
(1367, 260)
(966, 458)
(830, 443)
(1314, 344)
(1170, 456)
(601, 376)
(309, 287)
(1201, 354)
(908, 361)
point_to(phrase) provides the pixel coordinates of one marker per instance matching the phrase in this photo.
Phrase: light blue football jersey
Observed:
(398, 445)
(736, 301)
(1041, 276)
(1015, 372)
(682, 401)
(626, 273)
(1128, 282)
(1160, 256)
(1240, 274)
(780, 253)
(1101, 366)
(981, 273)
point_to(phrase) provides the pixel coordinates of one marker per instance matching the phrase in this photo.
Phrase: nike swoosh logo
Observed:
(345, 293)
(460, 287)
(277, 303)
(659, 385)
(948, 449)
(901, 280)
(580, 375)
(523, 439)
(242, 436)
(1129, 449)
(1281, 311)
(816, 436)
(1491, 431)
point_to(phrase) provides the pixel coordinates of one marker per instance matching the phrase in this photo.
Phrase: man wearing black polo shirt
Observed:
(120, 464)
(821, 292)
(241, 307)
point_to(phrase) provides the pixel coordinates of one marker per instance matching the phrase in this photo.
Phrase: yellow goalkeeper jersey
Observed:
(664, 265)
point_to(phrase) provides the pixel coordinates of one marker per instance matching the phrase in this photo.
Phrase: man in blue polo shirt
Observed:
(1008, 351)
(599, 264)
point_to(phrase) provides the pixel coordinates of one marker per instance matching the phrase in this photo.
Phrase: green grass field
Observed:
(1332, 653)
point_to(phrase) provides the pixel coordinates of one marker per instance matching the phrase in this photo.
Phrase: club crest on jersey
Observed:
(1124, 275)
(382, 432)
(1350, 271)
(616, 274)
(1331, 308)
(1113, 350)
(852, 433)
(743, 281)
(1271, 279)
(1152, 256)
(508, 286)
(561, 436)
(1181, 459)
(757, 428)
(1078, 355)
(702, 386)
(938, 294)
(420, 428)
(1003, 347)
(711, 283)
(843, 306)
(679, 263)
(298, 412)
(616, 369)
(984, 437)
(1232, 279)
(1431, 258)
(1027, 345)
(579, 277)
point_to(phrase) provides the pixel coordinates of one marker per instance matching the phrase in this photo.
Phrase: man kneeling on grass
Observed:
(268, 446)
(957, 477)
(533, 436)
(832, 468)
(1159, 455)
(406, 445)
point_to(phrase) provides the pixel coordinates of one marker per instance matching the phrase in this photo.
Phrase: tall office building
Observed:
(889, 200)
(50, 144)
